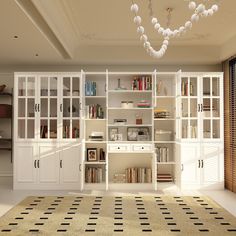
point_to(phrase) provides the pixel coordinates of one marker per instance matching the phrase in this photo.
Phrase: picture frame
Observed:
(138, 134)
(102, 155)
(113, 134)
(92, 154)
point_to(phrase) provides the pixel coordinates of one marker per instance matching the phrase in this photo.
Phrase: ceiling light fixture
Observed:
(167, 33)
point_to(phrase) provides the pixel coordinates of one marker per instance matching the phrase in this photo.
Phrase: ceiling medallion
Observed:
(167, 33)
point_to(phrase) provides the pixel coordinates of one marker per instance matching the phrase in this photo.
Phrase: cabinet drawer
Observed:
(119, 147)
(142, 147)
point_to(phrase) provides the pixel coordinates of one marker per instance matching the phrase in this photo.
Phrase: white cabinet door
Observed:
(212, 167)
(70, 163)
(48, 164)
(190, 155)
(25, 164)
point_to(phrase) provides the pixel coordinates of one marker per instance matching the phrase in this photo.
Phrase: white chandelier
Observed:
(167, 33)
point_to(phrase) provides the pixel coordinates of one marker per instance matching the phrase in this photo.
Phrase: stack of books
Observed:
(164, 178)
(142, 83)
(96, 136)
(144, 104)
(93, 175)
(90, 88)
(161, 113)
(94, 111)
(138, 175)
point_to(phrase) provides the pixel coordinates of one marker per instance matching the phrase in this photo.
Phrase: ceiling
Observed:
(72, 32)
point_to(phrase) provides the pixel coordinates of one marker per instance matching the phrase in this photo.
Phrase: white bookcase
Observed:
(118, 130)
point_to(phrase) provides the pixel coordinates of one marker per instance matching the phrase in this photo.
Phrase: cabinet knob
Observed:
(142, 147)
(118, 148)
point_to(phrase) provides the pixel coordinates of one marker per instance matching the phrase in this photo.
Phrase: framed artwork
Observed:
(138, 134)
(92, 154)
(113, 134)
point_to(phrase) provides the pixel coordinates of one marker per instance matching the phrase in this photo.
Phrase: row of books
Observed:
(93, 174)
(164, 178)
(90, 88)
(142, 83)
(163, 154)
(186, 90)
(66, 132)
(143, 104)
(161, 113)
(193, 131)
(138, 175)
(94, 111)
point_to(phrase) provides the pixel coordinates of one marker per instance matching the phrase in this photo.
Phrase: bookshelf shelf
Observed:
(94, 163)
(130, 91)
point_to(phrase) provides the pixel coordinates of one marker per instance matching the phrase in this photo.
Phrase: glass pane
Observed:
(193, 107)
(216, 128)
(31, 107)
(207, 107)
(44, 86)
(193, 87)
(53, 86)
(206, 129)
(66, 107)
(53, 128)
(75, 86)
(44, 107)
(30, 129)
(31, 86)
(75, 107)
(21, 107)
(193, 129)
(43, 128)
(216, 107)
(53, 107)
(215, 86)
(185, 112)
(66, 86)
(184, 87)
(21, 86)
(184, 129)
(21, 128)
(66, 128)
(206, 86)
(75, 128)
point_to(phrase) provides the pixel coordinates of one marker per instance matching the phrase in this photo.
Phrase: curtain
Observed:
(229, 68)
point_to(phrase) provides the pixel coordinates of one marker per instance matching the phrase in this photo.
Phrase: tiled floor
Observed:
(10, 197)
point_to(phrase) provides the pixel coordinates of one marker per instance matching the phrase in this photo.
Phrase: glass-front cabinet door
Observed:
(70, 107)
(27, 107)
(210, 107)
(48, 109)
(189, 108)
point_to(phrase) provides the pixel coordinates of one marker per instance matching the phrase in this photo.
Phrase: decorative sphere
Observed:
(137, 20)
(188, 25)
(154, 20)
(210, 12)
(164, 47)
(181, 29)
(140, 30)
(157, 26)
(176, 32)
(215, 8)
(200, 8)
(134, 8)
(195, 18)
(192, 5)
(204, 13)
(165, 33)
(147, 44)
(144, 38)
(166, 42)
(160, 30)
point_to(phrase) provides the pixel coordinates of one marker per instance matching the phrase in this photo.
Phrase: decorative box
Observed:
(163, 135)
(5, 110)
(119, 178)
(127, 104)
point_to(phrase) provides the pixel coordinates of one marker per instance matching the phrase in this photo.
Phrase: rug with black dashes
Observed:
(118, 215)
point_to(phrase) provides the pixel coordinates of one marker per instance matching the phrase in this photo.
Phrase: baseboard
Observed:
(6, 174)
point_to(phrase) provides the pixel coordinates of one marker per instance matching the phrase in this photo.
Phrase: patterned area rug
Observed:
(118, 215)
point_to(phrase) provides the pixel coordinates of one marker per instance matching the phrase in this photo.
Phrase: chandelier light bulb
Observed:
(134, 8)
(205, 13)
(200, 8)
(195, 18)
(188, 25)
(215, 8)
(160, 31)
(140, 30)
(154, 20)
(192, 5)
(157, 26)
(137, 20)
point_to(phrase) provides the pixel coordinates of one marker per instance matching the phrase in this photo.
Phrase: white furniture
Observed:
(48, 130)
(150, 127)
